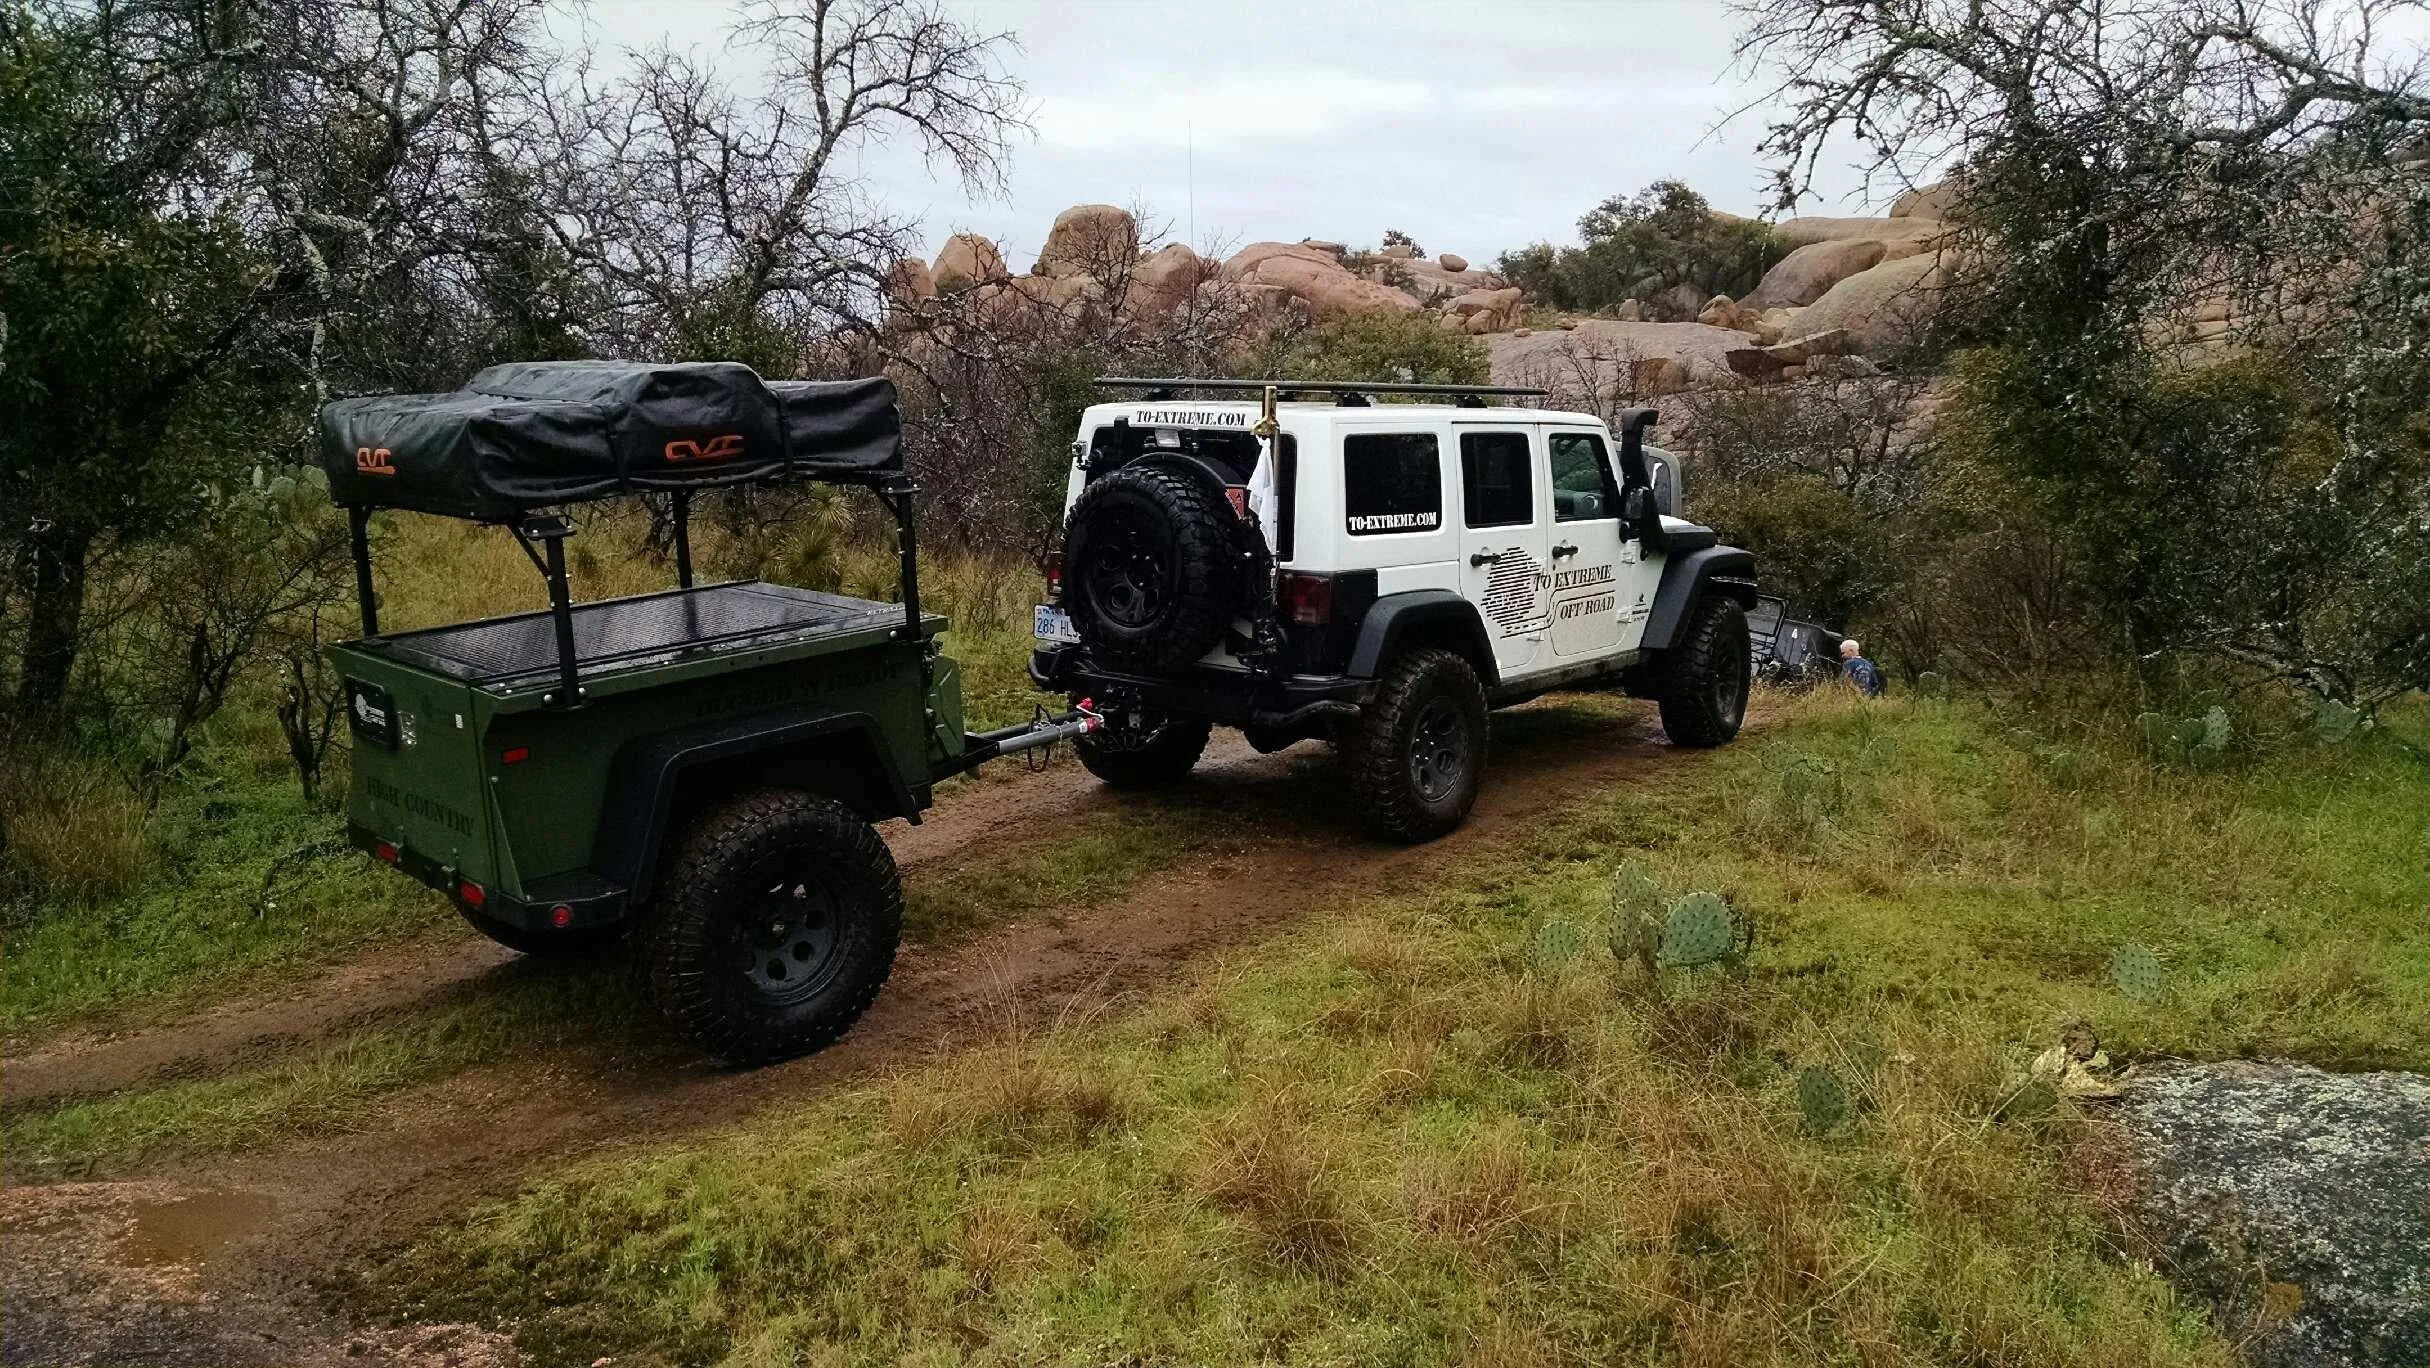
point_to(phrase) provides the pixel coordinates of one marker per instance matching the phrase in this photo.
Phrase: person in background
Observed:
(1863, 673)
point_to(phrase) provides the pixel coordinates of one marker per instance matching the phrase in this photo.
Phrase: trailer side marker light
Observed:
(386, 852)
(561, 916)
(474, 895)
(515, 755)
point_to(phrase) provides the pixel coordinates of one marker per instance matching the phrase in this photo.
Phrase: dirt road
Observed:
(215, 1262)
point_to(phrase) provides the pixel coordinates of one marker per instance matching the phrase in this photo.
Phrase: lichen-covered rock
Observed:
(1088, 239)
(1802, 276)
(2297, 1202)
(968, 260)
(1883, 309)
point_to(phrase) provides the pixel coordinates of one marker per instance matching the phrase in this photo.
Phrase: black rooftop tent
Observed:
(539, 434)
(528, 436)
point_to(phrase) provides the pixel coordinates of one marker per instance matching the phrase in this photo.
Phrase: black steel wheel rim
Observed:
(1730, 692)
(1438, 750)
(1129, 569)
(788, 942)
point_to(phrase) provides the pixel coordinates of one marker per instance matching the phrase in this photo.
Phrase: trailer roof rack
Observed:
(1348, 392)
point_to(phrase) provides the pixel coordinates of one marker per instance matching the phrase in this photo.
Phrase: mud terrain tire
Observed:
(1416, 754)
(1703, 684)
(774, 927)
(1157, 750)
(1150, 572)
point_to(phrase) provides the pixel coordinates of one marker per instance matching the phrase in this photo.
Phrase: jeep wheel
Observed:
(1148, 568)
(1137, 748)
(1703, 685)
(574, 940)
(1417, 752)
(774, 927)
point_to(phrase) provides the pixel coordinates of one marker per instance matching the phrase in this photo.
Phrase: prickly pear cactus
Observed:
(2159, 733)
(1822, 1100)
(1699, 930)
(2138, 973)
(1638, 908)
(1557, 943)
(2335, 722)
(2215, 730)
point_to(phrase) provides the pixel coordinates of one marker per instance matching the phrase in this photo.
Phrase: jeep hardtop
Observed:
(700, 766)
(1379, 575)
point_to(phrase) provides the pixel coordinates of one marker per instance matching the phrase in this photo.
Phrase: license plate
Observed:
(1053, 624)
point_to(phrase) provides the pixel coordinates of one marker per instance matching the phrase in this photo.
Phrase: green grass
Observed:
(329, 1083)
(200, 925)
(1429, 1130)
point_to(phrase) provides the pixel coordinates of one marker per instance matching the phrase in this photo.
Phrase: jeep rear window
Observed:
(1582, 480)
(1495, 488)
(1392, 482)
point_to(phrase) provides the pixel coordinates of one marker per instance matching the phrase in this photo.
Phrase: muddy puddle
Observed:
(192, 1229)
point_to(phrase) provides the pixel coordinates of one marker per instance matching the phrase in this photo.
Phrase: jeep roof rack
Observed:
(1350, 393)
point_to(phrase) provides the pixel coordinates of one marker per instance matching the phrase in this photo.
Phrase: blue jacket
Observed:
(1864, 674)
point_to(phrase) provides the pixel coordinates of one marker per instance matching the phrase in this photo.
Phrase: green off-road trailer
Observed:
(699, 768)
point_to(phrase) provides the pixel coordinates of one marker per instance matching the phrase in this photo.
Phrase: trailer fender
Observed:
(659, 778)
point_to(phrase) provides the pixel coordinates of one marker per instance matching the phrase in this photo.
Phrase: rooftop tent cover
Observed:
(534, 434)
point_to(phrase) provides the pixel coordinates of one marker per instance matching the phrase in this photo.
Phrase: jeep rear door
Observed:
(1504, 540)
(1594, 569)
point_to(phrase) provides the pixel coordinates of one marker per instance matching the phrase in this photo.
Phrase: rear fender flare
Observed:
(657, 777)
(1436, 615)
(1724, 570)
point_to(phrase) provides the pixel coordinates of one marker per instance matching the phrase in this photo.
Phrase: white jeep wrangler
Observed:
(1379, 575)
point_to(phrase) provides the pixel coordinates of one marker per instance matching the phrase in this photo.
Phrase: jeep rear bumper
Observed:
(1232, 698)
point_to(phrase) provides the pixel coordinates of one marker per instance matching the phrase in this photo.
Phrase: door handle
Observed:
(1564, 549)
(1485, 558)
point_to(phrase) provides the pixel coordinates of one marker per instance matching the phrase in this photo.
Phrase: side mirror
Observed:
(1637, 506)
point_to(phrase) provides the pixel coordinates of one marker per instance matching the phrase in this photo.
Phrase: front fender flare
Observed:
(1725, 570)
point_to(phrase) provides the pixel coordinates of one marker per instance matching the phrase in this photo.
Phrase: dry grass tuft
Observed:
(1021, 1095)
(1283, 1179)
(1477, 1194)
(69, 830)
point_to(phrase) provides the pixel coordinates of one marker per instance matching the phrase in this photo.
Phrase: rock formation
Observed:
(968, 260)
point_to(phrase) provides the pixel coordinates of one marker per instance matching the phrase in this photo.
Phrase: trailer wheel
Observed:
(774, 927)
(574, 940)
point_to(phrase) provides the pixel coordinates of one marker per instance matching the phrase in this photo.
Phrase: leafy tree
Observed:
(1405, 346)
(1645, 247)
(2123, 162)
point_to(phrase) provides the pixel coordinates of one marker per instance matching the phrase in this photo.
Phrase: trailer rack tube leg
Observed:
(364, 597)
(907, 551)
(683, 538)
(561, 609)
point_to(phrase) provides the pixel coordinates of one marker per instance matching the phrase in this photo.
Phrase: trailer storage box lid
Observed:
(544, 433)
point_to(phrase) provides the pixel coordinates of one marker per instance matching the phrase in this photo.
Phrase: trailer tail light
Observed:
(1307, 599)
(384, 851)
(1051, 566)
(473, 894)
(515, 755)
(561, 916)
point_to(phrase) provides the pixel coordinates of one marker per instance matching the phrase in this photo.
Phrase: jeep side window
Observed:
(1582, 480)
(1496, 484)
(1392, 482)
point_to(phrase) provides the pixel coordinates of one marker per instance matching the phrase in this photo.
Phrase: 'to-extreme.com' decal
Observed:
(1395, 522)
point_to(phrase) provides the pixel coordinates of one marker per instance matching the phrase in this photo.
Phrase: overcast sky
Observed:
(1474, 127)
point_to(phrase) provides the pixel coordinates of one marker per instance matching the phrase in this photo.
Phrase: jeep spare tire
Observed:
(1150, 567)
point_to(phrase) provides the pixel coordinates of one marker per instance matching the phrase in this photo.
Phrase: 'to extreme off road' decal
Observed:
(1395, 522)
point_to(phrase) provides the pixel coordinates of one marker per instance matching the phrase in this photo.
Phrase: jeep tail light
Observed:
(1307, 599)
(1051, 566)
(473, 894)
(561, 916)
(515, 755)
(384, 851)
